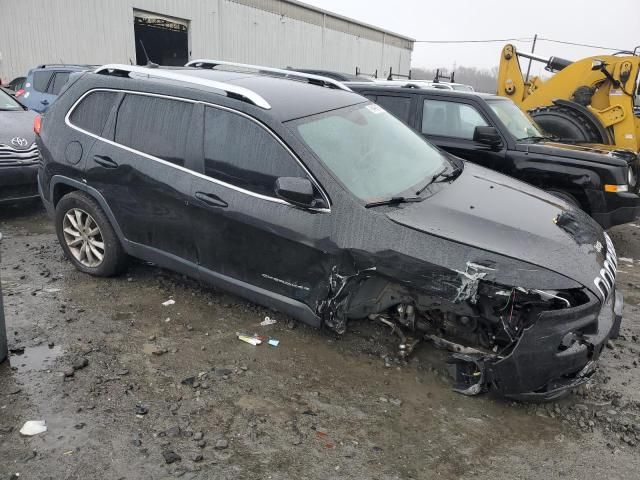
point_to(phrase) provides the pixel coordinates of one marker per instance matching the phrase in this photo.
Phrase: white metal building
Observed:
(276, 33)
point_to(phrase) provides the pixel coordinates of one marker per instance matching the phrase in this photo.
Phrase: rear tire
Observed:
(87, 237)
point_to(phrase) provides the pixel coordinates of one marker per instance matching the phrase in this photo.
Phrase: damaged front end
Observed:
(517, 342)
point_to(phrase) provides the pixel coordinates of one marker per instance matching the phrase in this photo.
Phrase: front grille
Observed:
(606, 281)
(11, 157)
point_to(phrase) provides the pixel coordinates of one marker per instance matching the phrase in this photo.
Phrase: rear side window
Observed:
(240, 152)
(59, 80)
(450, 119)
(41, 80)
(155, 126)
(397, 106)
(92, 112)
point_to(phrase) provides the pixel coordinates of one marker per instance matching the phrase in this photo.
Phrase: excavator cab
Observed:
(593, 100)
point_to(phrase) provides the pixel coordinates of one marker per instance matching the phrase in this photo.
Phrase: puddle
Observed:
(35, 358)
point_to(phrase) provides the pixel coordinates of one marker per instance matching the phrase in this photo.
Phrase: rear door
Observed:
(245, 234)
(450, 124)
(141, 170)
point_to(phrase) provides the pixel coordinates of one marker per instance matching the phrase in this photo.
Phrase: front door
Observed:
(450, 125)
(245, 234)
(142, 173)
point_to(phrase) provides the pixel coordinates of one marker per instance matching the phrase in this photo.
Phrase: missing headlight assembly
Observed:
(517, 342)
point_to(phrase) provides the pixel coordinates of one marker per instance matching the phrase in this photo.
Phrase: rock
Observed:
(142, 409)
(122, 372)
(79, 426)
(14, 391)
(152, 338)
(80, 363)
(174, 407)
(188, 381)
(610, 345)
(198, 436)
(69, 372)
(171, 457)
(151, 349)
(197, 457)
(221, 372)
(202, 443)
(395, 401)
(189, 327)
(136, 442)
(173, 431)
(221, 444)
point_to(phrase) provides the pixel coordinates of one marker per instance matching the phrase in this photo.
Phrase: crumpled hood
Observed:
(17, 124)
(493, 212)
(605, 154)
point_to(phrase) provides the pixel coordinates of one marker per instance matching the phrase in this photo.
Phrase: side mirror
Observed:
(298, 191)
(487, 135)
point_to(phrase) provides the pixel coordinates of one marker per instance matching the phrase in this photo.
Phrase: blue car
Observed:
(44, 83)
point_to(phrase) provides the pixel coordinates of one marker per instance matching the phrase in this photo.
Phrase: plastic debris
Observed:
(171, 301)
(250, 339)
(273, 342)
(268, 321)
(33, 427)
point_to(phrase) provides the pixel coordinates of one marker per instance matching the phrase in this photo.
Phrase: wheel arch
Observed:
(61, 186)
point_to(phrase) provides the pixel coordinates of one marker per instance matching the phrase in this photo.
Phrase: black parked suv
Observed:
(296, 193)
(493, 132)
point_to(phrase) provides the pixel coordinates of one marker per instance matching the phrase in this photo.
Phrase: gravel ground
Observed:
(132, 389)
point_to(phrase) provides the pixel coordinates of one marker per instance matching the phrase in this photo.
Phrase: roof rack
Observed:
(229, 90)
(314, 79)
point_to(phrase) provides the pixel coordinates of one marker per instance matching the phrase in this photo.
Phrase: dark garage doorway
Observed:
(161, 40)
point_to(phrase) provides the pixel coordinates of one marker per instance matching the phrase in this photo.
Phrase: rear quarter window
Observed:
(155, 126)
(92, 112)
(41, 80)
(59, 80)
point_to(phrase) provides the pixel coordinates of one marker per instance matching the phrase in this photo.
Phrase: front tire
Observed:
(87, 237)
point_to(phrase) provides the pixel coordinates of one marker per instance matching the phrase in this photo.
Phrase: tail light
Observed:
(37, 124)
(20, 92)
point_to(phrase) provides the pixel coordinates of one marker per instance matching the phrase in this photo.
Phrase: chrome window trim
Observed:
(325, 197)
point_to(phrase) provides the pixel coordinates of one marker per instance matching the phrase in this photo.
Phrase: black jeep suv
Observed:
(295, 192)
(493, 132)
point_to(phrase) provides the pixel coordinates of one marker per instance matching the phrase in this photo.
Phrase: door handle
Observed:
(211, 200)
(105, 161)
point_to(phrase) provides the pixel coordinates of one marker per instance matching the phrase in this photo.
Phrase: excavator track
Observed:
(567, 124)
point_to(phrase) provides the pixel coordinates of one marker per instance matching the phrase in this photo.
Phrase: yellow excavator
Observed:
(593, 100)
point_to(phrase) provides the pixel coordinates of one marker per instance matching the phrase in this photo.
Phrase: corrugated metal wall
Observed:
(265, 32)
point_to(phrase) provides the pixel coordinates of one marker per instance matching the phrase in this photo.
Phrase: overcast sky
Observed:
(611, 24)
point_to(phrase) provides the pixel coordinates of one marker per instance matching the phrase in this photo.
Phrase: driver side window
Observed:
(450, 119)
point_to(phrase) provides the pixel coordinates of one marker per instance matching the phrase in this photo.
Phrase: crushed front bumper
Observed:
(542, 366)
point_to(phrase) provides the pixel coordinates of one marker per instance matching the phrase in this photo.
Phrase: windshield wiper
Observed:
(393, 201)
(536, 137)
(441, 176)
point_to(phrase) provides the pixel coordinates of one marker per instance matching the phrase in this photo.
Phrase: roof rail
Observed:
(229, 90)
(314, 79)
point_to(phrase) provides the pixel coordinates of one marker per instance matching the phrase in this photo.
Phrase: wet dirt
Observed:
(129, 385)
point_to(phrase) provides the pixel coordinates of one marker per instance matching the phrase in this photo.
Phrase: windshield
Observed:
(7, 102)
(519, 124)
(371, 152)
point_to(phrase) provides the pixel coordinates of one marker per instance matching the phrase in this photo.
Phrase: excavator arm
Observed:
(590, 100)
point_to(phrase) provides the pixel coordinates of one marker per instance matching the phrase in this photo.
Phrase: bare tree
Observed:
(481, 79)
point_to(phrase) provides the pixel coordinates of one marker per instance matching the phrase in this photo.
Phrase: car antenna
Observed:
(149, 63)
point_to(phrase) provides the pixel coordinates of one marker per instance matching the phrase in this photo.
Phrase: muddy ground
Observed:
(168, 391)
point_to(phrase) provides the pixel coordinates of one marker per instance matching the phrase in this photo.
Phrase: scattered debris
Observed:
(33, 427)
(151, 349)
(171, 301)
(273, 342)
(221, 444)
(268, 321)
(252, 340)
